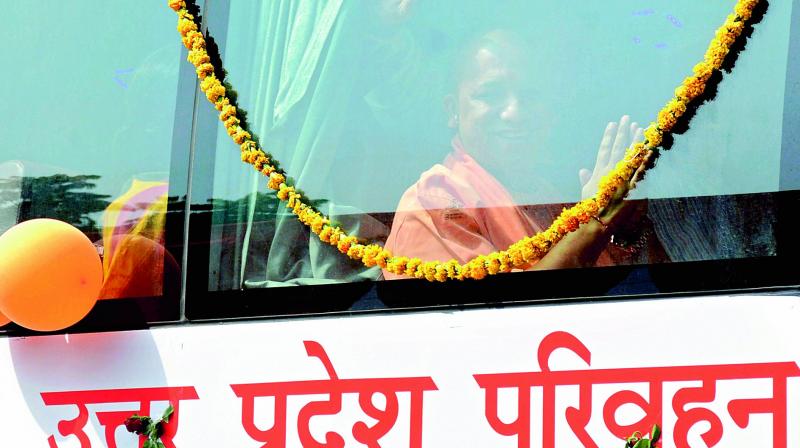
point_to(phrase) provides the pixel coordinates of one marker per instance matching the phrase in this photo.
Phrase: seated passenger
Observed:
(461, 208)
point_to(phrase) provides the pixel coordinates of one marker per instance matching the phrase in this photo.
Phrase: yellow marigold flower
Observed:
(429, 270)
(293, 197)
(221, 103)
(248, 145)
(356, 251)
(744, 8)
(317, 222)
(441, 273)
(370, 252)
(666, 121)
(412, 266)
(198, 57)
(453, 269)
(676, 107)
(725, 36)
(275, 181)
(215, 92)
(516, 256)
(176, 5)
(397, 265)
(492, 263)
(336, 235)
(186, 25)
(241, 136)
(702, 70)
(284, 191)
(260, 162)
(228, 111)
(734, 26)
(653, 135)
(528, 252)
(299, 207)
(208, 83)
(231, 122)
(716, 54)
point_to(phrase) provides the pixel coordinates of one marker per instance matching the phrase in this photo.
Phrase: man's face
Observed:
(494, 108)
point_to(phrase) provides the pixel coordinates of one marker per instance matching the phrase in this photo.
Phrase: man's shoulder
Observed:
(439, 187)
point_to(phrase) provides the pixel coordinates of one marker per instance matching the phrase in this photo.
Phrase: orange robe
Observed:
(457, 210)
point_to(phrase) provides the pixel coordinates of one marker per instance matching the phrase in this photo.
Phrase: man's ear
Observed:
(451, 110)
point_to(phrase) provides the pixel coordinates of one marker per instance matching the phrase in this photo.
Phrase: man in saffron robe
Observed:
(460, 209)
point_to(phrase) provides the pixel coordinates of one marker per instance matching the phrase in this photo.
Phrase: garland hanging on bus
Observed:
(519, 254)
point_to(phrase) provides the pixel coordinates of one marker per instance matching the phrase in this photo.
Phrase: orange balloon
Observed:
(50, 274)
(3, 320)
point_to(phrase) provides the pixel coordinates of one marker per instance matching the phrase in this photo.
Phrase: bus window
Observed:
(98, 120)
(443, 138)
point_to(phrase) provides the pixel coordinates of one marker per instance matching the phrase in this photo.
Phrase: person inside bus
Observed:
(465, 206)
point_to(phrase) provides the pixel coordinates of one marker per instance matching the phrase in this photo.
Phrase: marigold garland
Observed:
(519, 254)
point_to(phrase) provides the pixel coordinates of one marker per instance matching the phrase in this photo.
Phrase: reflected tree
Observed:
(62, 197)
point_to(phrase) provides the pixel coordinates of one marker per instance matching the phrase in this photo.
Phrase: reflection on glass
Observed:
(448, 138)
(134, 258)
(94, 110)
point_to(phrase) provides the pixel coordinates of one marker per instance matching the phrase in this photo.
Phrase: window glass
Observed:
(90, 99)
(448, 136)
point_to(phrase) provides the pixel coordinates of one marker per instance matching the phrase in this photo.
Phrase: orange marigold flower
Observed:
(193, 40)
(383, 258)
(370, 255)
(215, 92)
(325, 234)
(356, 251)
(204, 70)
(344, 243)
(477, 269)
(275, 181)
(175, 5)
